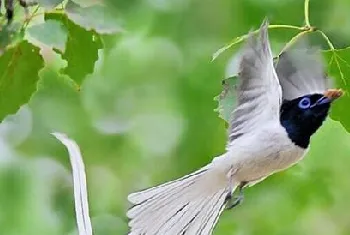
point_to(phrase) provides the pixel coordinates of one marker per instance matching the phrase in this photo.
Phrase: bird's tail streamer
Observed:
(79, 185)
(190, 205)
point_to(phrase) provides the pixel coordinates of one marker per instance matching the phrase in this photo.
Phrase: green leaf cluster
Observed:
(68, 35)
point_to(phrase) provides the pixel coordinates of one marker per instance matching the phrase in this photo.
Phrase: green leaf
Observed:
(49, 4)
(95, 17)
(52, 33)
(19, 68)
(10, 35)
(339, 68)
(52, 84)
(57, 102)
(227, 98)
(81, 49)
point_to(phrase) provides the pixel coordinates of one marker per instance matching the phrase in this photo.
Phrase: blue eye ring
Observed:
(304, 103)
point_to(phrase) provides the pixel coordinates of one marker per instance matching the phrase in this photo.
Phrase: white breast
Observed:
(262, 153)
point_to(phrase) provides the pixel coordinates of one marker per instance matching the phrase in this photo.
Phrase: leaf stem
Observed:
(330, 44)
(243, 37)
(278, 26)
(285, 26)
(306, 13)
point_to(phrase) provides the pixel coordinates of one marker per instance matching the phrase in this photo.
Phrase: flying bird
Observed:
(280, 105)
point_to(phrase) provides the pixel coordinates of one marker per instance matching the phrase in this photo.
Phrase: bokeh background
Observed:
(145, 115)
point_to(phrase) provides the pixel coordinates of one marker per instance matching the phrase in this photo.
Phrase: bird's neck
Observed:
(300, 131)
(298, 135)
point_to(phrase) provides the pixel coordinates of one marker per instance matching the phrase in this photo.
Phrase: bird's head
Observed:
(302, 116)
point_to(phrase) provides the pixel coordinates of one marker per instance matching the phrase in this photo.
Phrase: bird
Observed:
(280, 104)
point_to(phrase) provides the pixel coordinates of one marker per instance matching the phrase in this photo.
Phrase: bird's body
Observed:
(279, 107)
(243, 162)
(250, 163)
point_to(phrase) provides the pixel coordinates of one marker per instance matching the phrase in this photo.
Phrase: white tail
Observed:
(79, 184)
(186, 206)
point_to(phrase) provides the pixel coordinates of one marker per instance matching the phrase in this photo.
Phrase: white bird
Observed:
(279, 107)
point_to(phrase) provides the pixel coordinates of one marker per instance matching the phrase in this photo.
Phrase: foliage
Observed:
(132, 82)
(19, 78)
(339, 68)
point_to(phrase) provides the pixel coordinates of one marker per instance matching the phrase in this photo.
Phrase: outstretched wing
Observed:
(259, 93)
(301, 71)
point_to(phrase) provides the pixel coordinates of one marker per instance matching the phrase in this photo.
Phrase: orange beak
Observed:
(333, 94)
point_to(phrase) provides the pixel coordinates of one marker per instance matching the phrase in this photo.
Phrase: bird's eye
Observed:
(304, 103)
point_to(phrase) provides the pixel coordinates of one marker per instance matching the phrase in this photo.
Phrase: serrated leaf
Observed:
(19, 68)
(339, 68)
(81, 49)
(49, 4)
(96, 17)
(227, 98)
(52, 33)
(57, 102)
(54, 83)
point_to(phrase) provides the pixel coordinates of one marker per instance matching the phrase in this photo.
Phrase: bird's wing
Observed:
(301, 71)
(258, 93)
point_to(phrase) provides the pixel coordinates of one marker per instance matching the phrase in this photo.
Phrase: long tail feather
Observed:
(190, 205)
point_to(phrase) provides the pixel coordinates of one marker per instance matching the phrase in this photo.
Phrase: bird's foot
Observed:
(232, 202)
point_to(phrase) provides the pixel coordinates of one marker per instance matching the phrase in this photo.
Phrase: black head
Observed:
(301, 117)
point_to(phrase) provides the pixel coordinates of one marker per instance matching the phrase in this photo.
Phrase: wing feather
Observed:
(301, 71)
(259, 93)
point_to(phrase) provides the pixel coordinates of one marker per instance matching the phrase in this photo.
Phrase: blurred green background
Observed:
(145, 115)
